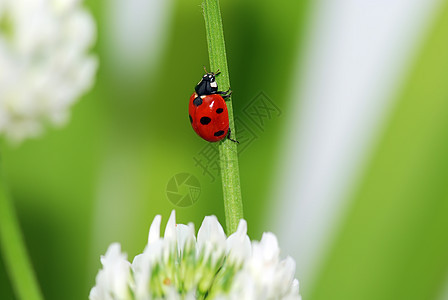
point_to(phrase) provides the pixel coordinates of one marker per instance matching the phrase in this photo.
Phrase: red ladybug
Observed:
(208, 110)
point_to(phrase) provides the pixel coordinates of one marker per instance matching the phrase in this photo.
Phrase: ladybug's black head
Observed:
(207, 85)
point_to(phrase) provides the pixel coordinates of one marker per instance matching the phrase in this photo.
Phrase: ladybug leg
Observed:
(225, 94)
(229, 138)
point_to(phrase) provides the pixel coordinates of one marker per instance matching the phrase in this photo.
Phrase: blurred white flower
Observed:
(112, 280)
(44, 63)
(179, 266)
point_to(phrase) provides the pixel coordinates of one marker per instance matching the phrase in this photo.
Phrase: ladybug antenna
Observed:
(205, 69)
(217, 72)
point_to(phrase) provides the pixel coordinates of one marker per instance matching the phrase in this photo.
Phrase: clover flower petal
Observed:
(179, 266)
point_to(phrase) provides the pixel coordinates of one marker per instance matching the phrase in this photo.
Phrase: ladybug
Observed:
(208, 112)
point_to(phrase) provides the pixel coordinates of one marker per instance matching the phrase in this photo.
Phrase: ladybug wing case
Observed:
(209, 117)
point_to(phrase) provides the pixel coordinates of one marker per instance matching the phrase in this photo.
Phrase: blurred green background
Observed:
(103, 177)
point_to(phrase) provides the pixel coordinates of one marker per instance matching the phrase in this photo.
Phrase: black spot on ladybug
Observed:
(197, 101)
(218, 133)
(219, 110)
(205, 120)
(191, 119)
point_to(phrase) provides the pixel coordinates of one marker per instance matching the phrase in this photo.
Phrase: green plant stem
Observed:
(228, 154)
(14, 251)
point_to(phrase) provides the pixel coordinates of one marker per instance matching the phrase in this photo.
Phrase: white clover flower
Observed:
(179, 266)
(44, 64)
